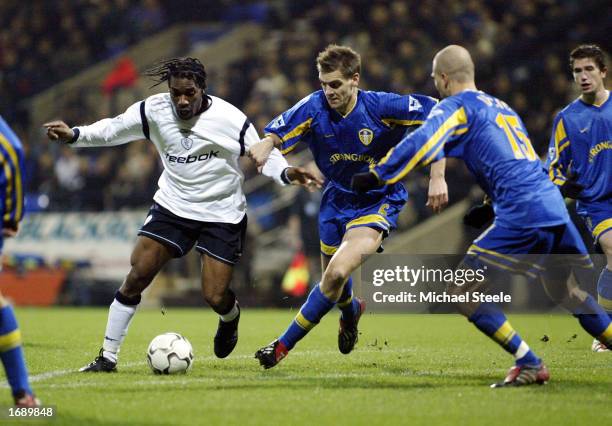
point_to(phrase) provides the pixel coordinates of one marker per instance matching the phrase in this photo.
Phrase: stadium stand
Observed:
(65, 65)
(392, 36)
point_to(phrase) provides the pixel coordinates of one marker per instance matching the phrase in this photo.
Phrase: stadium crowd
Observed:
(522, 60)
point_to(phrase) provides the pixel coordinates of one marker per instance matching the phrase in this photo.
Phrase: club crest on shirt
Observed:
(186, 141)
(366, 136)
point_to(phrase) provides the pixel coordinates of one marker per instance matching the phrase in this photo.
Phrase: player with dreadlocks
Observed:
(200, 199)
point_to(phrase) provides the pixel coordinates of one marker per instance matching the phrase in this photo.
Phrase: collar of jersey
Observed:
(595, 105)
(208, 105)
(350, 110)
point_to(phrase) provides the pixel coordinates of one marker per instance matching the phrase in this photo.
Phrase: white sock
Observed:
(119, 317)
(231, 315)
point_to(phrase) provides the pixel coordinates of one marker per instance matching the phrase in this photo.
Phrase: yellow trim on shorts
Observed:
(367, 219)
(328, 250)
(502, 266)
(506, 257)
(601, 228)
(10, 340)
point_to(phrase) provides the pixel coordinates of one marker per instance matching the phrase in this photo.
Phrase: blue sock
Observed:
(11, 352)
(349, 306)
(604, 290)
(595, 321)
(311, 312)
(489, 319)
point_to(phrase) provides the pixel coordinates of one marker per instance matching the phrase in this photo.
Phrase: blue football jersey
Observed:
(11, 176)
(345, 145)
(491, 138)
(581, 145)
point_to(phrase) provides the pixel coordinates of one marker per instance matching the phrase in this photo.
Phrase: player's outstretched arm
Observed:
(59, 131)
(300, 176)
(260, 151)
(124, 128)
(437, 195)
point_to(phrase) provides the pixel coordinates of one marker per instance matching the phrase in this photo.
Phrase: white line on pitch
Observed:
(59, 373)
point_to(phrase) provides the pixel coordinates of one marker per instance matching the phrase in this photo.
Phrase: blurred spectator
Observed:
(522, 59)
(69, 175)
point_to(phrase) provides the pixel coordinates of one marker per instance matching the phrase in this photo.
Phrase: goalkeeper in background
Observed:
(11, 209)
(580, 158)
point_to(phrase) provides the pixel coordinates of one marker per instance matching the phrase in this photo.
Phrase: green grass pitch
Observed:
(406, 369)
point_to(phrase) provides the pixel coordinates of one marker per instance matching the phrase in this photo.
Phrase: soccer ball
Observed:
(170, 353)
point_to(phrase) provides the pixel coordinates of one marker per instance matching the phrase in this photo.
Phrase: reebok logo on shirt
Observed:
(192, 158)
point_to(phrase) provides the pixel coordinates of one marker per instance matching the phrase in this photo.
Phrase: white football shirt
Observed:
(201, 178)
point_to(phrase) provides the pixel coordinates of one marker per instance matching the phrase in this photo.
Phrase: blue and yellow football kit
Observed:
(530, 215)
(11, 177)
(491, 138)
(349, 144)
(343, 145)
(581, 146)
(11, 212)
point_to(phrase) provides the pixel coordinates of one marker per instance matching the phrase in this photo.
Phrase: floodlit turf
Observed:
(407, 369)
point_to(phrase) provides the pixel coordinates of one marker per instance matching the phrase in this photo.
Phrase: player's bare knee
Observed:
(139, 277)
(577, 295)
(214, 299)
(605, 243)
(335, 277)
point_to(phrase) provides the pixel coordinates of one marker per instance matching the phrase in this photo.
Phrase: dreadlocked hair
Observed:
(190, 68)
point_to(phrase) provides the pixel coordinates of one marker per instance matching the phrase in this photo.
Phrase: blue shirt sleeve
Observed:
(292, 125)
(559, 152)
(405, 110)
(446, 122)
(11, 175)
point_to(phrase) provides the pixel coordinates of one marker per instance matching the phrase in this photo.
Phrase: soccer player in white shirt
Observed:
(200, 199)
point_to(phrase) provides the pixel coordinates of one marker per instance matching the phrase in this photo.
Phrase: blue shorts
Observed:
(528, 250)
(597, 215)
(342, 210)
